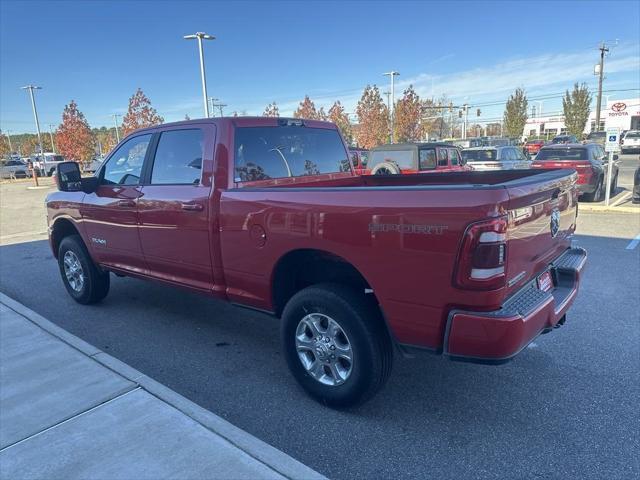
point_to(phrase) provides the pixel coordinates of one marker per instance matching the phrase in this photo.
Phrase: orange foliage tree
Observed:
(373, 118)
(306, 109)
(74, 139)
(271, 110)
(338, 116)
(140, 114)
(408, 113)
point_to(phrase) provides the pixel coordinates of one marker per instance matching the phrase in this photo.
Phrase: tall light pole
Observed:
(603, 49)
(115, 124)
(9, 138)
(392, 74)
(53, 145)
(202, 36)
(31, 88)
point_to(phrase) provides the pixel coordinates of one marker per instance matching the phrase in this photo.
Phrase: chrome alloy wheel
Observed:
(324, 349)
(73, 271)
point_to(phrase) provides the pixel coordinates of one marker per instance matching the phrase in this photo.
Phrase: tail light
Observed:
(482, 258)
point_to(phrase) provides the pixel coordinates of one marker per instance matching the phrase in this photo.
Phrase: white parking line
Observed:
(634, 243)
(622, 198)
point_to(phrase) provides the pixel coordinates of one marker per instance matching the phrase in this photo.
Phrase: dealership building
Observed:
(624, 114)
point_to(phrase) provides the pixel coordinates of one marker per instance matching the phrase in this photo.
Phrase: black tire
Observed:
(367, 335)
(614, 185)
(596, 195)
(95, 284)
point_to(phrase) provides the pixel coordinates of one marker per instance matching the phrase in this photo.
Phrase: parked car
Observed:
(589, 160)
(48, 165)
(630, 142)
(564, 139)
(408, 158)
(495, 158)
(14, 168)
(359, 158)
(269, 215)
(597, 137)
(532, 147)
(636, 186)
(93, 165)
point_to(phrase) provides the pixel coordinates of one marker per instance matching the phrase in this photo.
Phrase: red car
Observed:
(407, 158)
(267, 213)
(532, 147)
(589, 160)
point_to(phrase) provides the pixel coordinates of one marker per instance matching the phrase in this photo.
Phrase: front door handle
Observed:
(126, 203)
(192, 207)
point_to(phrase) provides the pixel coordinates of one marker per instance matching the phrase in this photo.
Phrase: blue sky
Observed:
(98, 53)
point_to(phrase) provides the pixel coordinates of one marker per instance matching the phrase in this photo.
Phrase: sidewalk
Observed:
(68, 410)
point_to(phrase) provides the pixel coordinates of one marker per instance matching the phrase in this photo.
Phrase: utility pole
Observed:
(31, 88)
(603, 49)
(202, 36)
(392, 74)
(220, 105)
(466, 121)
(213, 105)
(53, 145)
(115, 124)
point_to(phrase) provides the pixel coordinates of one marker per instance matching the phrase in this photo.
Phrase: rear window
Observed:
(597, 135)
(562, 154)
(402, 158)
(479, 155)
(263, 153)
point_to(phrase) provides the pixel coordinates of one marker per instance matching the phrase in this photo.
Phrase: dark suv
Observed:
(589, 160)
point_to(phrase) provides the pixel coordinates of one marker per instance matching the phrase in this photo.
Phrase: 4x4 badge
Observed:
(555, 222)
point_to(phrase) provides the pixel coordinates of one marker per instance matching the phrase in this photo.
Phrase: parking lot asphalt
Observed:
(565, 408)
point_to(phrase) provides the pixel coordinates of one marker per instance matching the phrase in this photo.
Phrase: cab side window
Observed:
(125, 165)
(454, 156)
(178, 158)
(427, 159)
(443, 159)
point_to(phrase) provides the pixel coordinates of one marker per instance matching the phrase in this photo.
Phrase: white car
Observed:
(631, 141)
(48, 166)
(495, 158)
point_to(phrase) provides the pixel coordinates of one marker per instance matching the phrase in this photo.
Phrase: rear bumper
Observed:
(496, 337)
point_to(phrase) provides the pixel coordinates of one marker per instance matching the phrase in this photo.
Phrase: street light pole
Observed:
(392, 74)
(202, 36)
(31, 88)
(53, 145)
(115, 124)
(603, 49)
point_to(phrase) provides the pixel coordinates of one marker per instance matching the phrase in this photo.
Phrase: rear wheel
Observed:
(82, 279)
(336, 345)
(596, 195)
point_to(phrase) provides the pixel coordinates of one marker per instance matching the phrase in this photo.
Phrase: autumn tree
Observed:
(373, 118)
(140, 114)
(306, 109)
(576, 108)
(271, 110)
(338, 116)
(73, 137)
(105, 139)
(408, 111)
(4, 146)
(515, 113)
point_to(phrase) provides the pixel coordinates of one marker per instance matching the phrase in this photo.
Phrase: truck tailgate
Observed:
(542, 219)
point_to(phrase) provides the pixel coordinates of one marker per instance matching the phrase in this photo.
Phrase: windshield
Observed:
(632, 135)
(479, 155)
(263, 153)
(556, 154)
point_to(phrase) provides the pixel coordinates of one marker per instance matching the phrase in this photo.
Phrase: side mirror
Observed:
(68, 177)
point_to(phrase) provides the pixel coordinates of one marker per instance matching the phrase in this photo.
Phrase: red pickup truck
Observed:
(267, 213)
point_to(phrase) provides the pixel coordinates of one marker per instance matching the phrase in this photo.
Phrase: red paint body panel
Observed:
(230, 245)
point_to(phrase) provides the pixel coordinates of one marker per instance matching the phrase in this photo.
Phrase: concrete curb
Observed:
(261, 451)
(602, 208)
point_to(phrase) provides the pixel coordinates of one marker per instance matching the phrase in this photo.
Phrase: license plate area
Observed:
(545, 281)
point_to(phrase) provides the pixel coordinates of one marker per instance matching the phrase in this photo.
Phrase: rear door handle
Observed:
(126, 203)
(192, 207)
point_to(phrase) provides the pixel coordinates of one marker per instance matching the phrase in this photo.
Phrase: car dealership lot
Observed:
(565, 407)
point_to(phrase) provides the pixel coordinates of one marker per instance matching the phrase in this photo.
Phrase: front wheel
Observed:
(82, 279)
(336, 344)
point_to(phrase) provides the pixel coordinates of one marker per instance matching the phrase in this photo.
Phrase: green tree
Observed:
(373, 118)
(576, 106)
(338, 116)
(515, 113)
(140, 114)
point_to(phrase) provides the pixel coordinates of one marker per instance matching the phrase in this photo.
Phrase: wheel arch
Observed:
(62, 227)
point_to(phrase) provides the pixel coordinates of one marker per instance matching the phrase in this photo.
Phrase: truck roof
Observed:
(407, 145)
